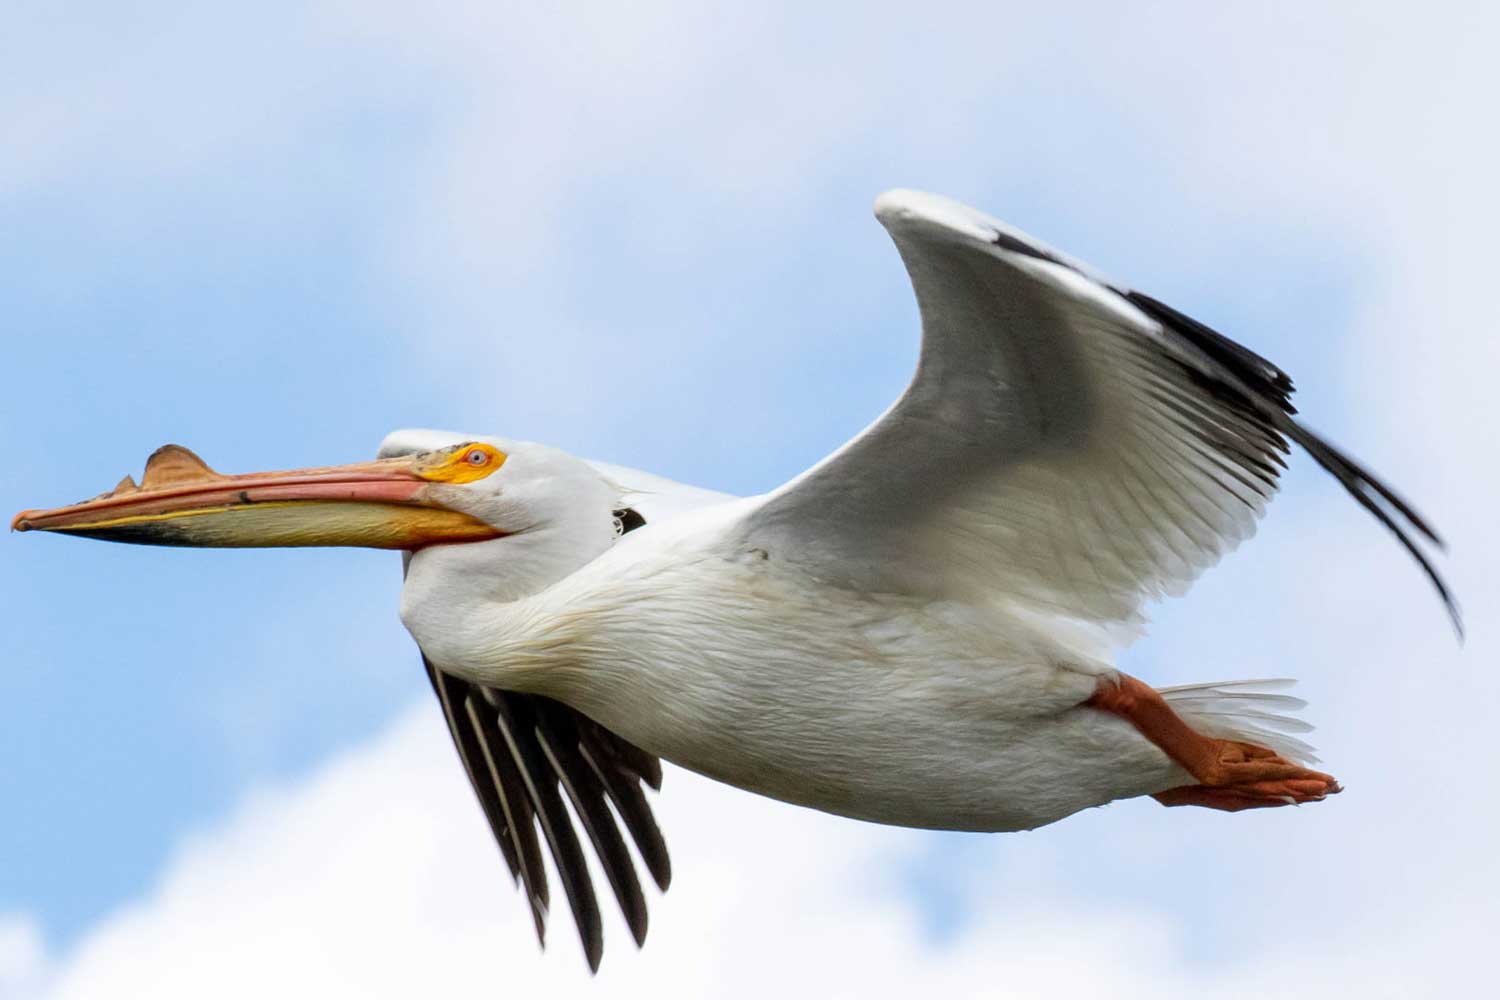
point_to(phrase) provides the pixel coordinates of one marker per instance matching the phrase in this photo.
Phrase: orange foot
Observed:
(1246, 776)
(1231, 775)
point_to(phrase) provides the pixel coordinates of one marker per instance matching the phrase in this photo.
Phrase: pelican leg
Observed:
(1231, 775)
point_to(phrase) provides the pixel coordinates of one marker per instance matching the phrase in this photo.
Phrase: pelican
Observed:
(920, 630)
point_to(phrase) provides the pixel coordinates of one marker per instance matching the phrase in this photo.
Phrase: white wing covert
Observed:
(1065, 443)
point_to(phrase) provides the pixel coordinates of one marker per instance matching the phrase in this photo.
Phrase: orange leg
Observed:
(1231, 775)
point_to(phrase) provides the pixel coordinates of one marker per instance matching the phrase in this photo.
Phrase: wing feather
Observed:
(517, 724)
(1065, 443)
(559, 740)
(518, 805)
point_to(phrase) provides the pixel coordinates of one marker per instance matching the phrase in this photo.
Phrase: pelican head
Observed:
(473, 491)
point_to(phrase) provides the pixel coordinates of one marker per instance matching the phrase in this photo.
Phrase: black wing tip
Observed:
(539, 918)
(560, 739)
(515, 717)
(1450, 602)
(1387, 507)
(1267, 391)
(1445, 593)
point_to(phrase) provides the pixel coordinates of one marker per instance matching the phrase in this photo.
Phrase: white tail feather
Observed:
(1247, 711)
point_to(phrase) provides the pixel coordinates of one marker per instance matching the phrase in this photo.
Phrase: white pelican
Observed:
(919, 630)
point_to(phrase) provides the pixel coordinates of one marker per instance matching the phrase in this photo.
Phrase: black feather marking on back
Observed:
(629, 519)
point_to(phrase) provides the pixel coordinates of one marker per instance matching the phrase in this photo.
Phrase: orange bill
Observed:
(385, 504)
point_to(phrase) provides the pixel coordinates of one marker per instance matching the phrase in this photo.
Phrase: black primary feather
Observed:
(1256, 387)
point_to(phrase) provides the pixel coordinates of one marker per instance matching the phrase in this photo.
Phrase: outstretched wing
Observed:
(1066, 443)
(523, 754)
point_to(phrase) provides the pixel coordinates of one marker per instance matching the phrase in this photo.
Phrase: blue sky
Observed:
(275, 235)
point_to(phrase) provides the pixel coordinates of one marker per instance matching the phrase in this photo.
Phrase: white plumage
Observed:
(919, 630)
(746, 666)
(910, 632)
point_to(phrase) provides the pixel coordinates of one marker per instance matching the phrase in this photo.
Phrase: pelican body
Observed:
(697, 645)
(920, 630)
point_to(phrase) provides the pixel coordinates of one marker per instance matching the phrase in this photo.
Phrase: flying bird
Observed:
(919, 630)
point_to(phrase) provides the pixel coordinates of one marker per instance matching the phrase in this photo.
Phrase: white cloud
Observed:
(374, 877)
(22, 955)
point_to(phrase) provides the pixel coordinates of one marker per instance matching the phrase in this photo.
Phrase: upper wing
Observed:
(1065, 442)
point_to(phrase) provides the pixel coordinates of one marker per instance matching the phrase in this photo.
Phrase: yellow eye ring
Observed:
(467, 463)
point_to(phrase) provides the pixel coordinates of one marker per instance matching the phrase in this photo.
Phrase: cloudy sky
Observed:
(274, 232)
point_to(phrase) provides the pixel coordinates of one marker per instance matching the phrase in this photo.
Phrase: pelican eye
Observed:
(463, 464)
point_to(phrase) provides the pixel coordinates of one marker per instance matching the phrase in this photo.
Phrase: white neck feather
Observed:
(457, 598)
